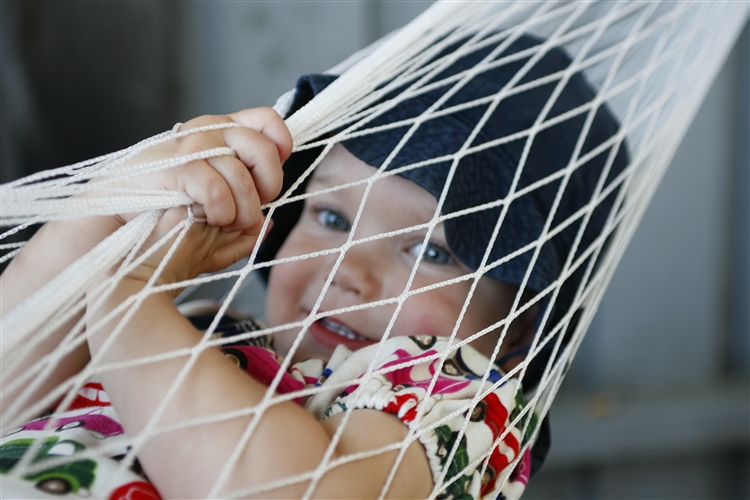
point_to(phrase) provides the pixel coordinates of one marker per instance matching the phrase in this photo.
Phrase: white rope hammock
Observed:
(650, 63)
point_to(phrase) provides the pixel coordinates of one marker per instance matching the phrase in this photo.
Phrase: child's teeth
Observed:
(341, 329)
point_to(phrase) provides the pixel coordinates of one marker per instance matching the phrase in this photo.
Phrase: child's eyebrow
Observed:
(323, 180)
(328, 180)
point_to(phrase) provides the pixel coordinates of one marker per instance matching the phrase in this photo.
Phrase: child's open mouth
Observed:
(332, 333)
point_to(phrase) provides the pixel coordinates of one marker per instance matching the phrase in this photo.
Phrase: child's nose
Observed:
(360, 273)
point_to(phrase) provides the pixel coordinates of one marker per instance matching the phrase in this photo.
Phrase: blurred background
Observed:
(656, 404)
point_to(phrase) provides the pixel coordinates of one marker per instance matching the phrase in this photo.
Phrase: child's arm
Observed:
(223, 185)
(288, 440)
(54, 246)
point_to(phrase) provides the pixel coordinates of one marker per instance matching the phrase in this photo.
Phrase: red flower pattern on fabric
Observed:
(403, 376)
(495, 417)
(91, 394)
(398, 402)
(139, 490)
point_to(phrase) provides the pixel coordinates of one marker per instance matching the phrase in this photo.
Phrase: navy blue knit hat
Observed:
(486, 176)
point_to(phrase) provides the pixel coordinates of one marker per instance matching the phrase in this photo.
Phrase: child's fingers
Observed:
(265, 121)
(269, 123)
(244, 192)
(207, 187)
(231, 190)
(261, 156)
(262, 144)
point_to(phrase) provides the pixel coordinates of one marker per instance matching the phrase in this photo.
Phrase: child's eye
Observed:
(434, 254)
(332, 220)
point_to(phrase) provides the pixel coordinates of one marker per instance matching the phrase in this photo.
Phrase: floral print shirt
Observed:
(473, 430)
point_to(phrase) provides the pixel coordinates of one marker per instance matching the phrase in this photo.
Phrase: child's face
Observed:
(375, 270)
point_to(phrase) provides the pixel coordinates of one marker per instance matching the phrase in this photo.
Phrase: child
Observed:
(469, 445)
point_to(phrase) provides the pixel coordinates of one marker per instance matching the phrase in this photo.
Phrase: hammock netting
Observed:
(648, 66)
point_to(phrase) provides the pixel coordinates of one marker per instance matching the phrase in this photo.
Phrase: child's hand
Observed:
(228, 191)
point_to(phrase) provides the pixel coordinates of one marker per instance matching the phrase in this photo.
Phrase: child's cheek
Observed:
(283, 296)
(425, 315)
